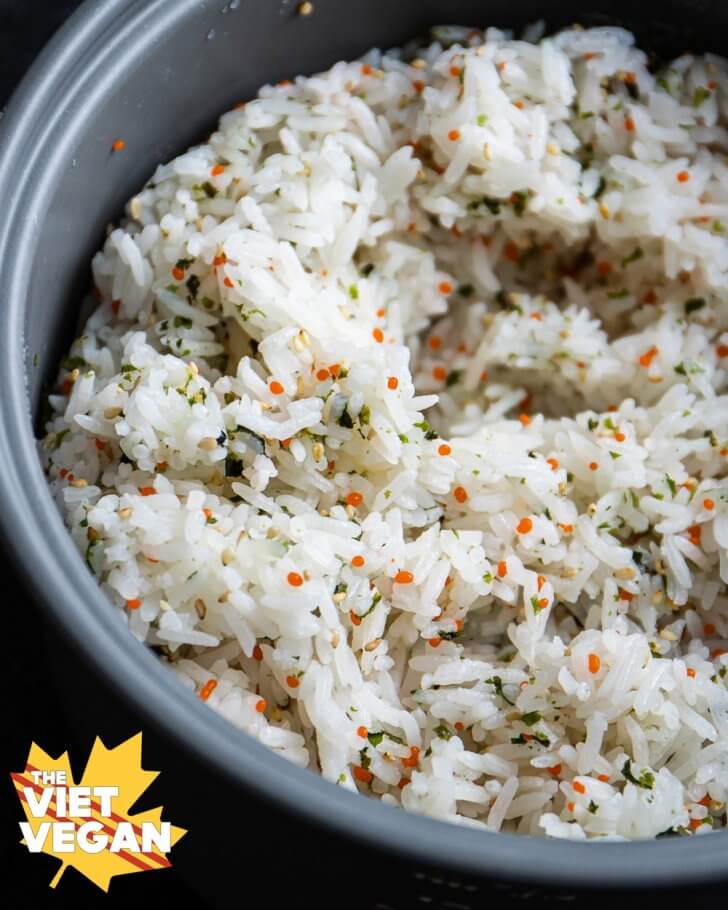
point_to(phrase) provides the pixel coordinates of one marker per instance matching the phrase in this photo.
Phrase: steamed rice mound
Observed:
(400, 429)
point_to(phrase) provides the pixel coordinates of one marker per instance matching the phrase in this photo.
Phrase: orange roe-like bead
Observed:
(629, 124)
(434, 342)
(276, 388)
(118, 145)
(553, 463)
(435, 642)
(646, 359)
(540, 581)
(555, 770)
(502, 569)
(694, 534)
(228, 282)
(355, 620)
(147, 491)
(357, 562)
(261, 705)
(403, 577)
(439, 374)
(708, 504)
(524, 526)
(257, 653)
(378, 335)
(722, 350)
(354, 499)
(413, 759)
(362, 732)
(571, 806)
(292, 682)
(453, 135)
(460, 494)
(392, 383)
(322, 375)
(217, 170)
(578, 787)
(603, 778)
(362, 775)
(619, 437)
(627, 596)
(525, 419)
(444, 287)
(294, 579)
(134, 603)
(691, 672)
(594, 663)
(709, 628)
(683, 177)
(178, 274)
(366, 70)
(593, 466)
(459, 726)
(207, 690)
(444, 450)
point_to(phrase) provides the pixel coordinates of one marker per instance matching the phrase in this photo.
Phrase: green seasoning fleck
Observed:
(592, 423)
(618, 295)
(602, 185)
(531, 718)
(73, 363)
(193, 286)
(680, 369)
(488, 577)
(646, 780)
(497, 684)
(654, 650)
(353, 292)
(694, 304)
(183, 264)
(365, 415)
(182, 322)
(541, 738)
(367, 269)
(535, 604)
(519, 201)
(700, 95)
(364, 759)
(375, 738)
(466, 290)
(633, 257)
(59, 437)
(233, 466)
(453, 378)
(482, 120)
(442, 732)
(592, 807)
(671, 483)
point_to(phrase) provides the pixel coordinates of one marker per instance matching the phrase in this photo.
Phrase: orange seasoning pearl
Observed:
(594, 666)
(593, 466)
(261, 705)
(378, 335)
(619, 437)
(708, 504)
(322, 375)
(691, 672)
(435, 642)
(525, 419)
(392, 383)
(362, 732)
(524, 526)
(119, 145)
(362, 775)
(147, 491)
(453, 135)
(178, 274)
(502, 569)
(134, 603)
(555, 770)
(294, 579)
(683, 177)
(292, 682)
(354, 499)
(571, 806)
(434, 342)
(355, 620)
(444, 287)
(207, 690)
(276, 388)
(228, 282)
(646, 359)
(403, 577)
(257, 653)
(460, 494)
(439, 374)
(709, 628)
(413, 759)
(217, 170)
(419, 86)
(357, 562)
(554, 463)
(444, 449)
(603, 778)
(629, 124)
(694, 534)
(578, 787)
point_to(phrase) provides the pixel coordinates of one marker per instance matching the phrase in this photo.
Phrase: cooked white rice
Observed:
(511, 613)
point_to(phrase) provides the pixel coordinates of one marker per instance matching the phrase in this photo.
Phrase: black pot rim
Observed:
(91, 53)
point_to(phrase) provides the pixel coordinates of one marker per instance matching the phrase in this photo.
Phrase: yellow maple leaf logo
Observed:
(88, 825)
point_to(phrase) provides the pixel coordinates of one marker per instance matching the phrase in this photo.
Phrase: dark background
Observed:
(32, 711)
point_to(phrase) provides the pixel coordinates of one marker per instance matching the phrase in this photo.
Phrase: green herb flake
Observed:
(353, 292)
(700, 95)
(634, 256)
(497, 684)
(693, 305)
(531, 718)
(646, 780)
(375, 738)
(442, 732)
